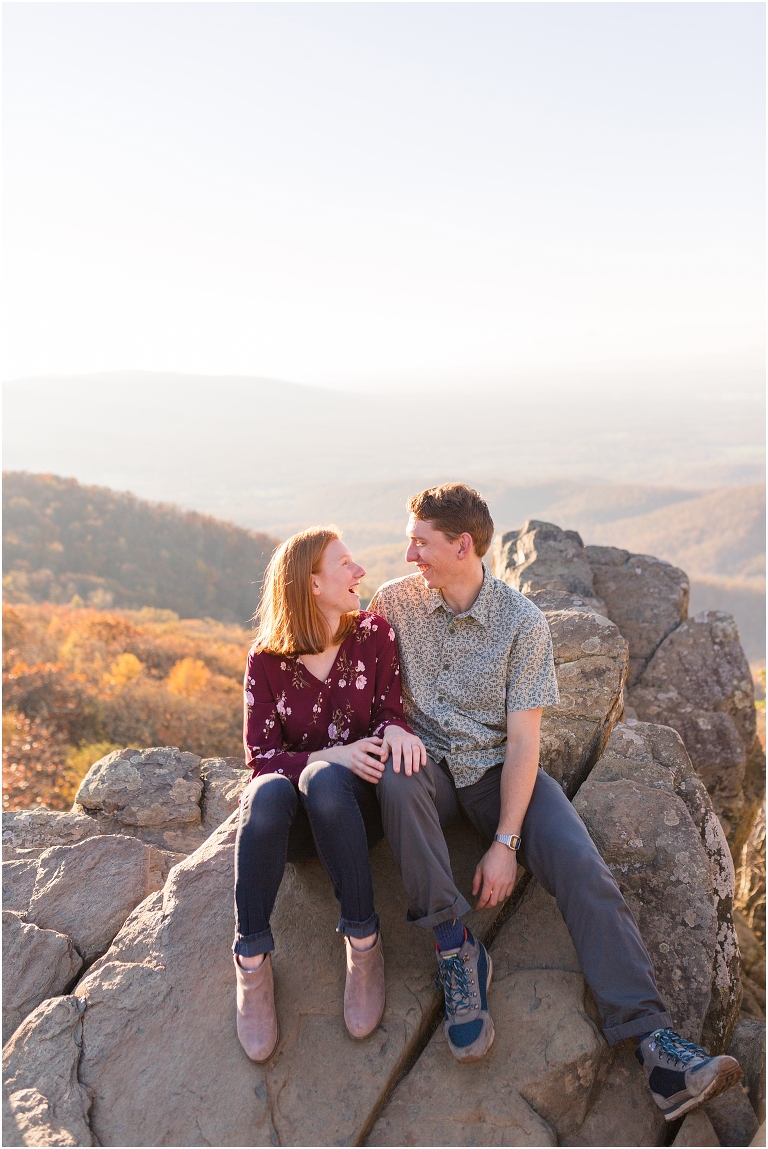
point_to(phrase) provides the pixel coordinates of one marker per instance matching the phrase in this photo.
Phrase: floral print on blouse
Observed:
(289, 713)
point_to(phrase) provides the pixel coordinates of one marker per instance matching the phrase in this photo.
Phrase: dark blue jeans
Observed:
(333, 813)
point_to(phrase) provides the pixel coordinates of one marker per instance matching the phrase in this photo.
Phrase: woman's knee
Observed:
(325, 784)
(267, 801)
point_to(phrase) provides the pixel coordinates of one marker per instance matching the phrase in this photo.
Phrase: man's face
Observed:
(433, 553)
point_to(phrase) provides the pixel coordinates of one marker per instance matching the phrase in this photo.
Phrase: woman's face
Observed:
(336, 584)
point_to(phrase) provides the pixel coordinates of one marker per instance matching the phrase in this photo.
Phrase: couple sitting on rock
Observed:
(342, 747)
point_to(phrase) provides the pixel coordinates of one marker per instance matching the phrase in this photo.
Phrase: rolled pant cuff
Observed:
(616, 1033)
(251, 945)
(460, 907)
(358, 929)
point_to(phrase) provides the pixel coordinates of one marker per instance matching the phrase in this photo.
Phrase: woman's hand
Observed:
(399, 742)
(362, 757)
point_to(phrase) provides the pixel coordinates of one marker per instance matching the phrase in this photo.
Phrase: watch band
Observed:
(511, 840)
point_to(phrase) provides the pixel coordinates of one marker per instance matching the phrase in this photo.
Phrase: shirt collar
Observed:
(480, 607)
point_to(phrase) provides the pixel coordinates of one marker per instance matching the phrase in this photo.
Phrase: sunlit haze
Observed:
(377, 195)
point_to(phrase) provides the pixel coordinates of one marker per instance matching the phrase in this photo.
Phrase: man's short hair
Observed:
(455, 509)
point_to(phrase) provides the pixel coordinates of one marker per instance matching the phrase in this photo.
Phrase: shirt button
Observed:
(440, 698)
(279, 769)
(446, 666)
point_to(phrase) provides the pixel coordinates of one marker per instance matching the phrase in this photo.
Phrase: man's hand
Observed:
(494, 876)
(399, 743)
(362, 758)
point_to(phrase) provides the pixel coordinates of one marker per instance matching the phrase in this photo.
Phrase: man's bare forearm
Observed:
(518, 775)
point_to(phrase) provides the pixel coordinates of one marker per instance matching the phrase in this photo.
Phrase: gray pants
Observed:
(557, 849)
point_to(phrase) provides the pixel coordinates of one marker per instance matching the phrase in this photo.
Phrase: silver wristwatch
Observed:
(511, 840)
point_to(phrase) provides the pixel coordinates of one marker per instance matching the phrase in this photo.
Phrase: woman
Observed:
(323, 713)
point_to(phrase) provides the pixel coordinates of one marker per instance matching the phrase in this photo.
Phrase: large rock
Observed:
(547, 1059)
(26, 833)
(699, 683)
(623, 1112)
(646, 598)
(36, 964)
(696, 1129)
(732, 1117)
(43, 1100)
(18, 883)
(152, 794)
(86, 891)
(224, 780)
(543, 557)
(550, 567)
(167, 986)
(591, 665)
(653, 822)
(748, 1047)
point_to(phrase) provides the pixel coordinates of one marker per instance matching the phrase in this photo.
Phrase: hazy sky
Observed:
(356, 194)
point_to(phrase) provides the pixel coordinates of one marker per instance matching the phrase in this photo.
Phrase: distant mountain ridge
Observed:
(63, 541)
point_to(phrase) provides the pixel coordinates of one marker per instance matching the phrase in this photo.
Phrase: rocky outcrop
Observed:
(26, 833)
(86, 891)
(748, 1047)
(151, 794)
(652, 820)
(43, 1100)
(591, 664)
(167, 984)
(224, 780)
(542, 557)
(37, 964)
(646, 598)
(699, 683)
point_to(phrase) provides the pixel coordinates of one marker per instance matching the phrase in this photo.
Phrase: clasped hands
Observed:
(367, 756)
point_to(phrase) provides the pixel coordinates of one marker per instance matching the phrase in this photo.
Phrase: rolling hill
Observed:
(63, 541)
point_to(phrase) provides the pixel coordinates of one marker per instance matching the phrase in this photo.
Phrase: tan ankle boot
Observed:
(364, 992)
(256, 1016)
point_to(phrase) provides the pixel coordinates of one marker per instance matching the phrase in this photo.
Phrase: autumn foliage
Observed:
(78, 683)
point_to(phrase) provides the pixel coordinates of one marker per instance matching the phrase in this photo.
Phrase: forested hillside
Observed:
(78, 683)
(66, 543)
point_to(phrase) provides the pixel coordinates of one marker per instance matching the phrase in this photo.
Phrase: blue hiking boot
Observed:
(683, 1075)
(465, 975)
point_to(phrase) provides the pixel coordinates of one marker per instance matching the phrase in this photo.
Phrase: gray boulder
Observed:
(699, 683)
(18, 883)
(748, 1047)
(152, 794)
(224, 780)
(653, 822)
(43, 1100)
(543, 557)
(646, 598)
(26, 833)
(591, 665)
(86, 891)
(36, 964)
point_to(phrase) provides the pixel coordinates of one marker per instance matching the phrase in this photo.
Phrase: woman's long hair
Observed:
(288, 620)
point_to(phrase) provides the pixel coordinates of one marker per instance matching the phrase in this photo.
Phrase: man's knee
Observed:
(404, 789)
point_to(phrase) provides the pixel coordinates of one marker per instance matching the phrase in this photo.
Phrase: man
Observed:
(477, 668)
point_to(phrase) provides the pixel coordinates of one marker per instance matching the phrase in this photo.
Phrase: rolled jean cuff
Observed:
(616, 1033)
(251, 945)
(359, 929)
(460, 907)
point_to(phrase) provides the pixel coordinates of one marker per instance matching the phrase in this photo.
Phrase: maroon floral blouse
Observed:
(289, 713)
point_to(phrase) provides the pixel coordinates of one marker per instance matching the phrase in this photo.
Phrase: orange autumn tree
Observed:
(78, 683)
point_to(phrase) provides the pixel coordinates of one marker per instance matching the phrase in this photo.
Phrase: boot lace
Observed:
(452, 978)
(676, 1048)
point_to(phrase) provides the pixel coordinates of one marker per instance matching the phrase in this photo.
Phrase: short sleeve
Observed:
(531, 679)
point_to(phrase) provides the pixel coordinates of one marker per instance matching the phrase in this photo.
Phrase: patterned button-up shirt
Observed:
(462, 673)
